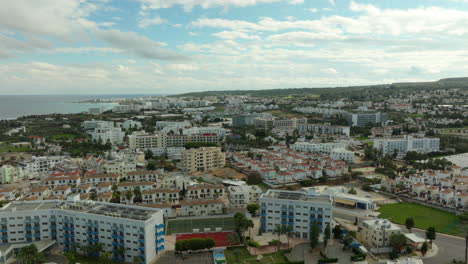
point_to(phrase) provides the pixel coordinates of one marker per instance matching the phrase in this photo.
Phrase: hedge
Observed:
(328, 260)
(194, 244)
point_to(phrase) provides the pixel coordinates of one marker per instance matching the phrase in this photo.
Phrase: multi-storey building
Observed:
(202, 159)
(9, 174)
(296, 209)
(160, 196)
(406, 144)
(142, 176)
(200, 208)
(142, 140)
(324, 129)
(119, 167)
(175, 125)
(92, 124)
(205, 191)
(290, 123)
(376, 233)
(114, 135)
(240, 196)
(133, 234)
(320, 148)
(363, 119)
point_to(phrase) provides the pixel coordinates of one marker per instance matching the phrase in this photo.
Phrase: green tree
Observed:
(151, 165)
(241, 224)
(252, 208)
(409, 223)
(30, 255)
(337, 232)
(326, 236)
(424, 248)
(431, 233)
(138, 195)
(314, 234)
(397, 242)
(279, 230)
(93, 196)
(129, 195)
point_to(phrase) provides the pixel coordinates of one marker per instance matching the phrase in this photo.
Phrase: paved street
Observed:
(450, 247)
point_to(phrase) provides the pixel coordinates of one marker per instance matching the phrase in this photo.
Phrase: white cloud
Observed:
(188, 5)
(146, 21)
(138, 45)
(313, 10)
(234, 35)
(332, 2)
(66, 20)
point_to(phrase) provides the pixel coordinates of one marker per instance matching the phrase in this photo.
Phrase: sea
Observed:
(14, 106)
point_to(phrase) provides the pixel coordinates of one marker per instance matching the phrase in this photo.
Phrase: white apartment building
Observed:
(138, 230)
(406, 144)
(175, 125)
(143, 140)
(205, 192)
(219, 131)
(114, 135)
(296, 209)
(342, 154)
(320, 148)
(127, 108)
(160, 196)
(127, 124)
(142, 176)
(119, 167)
(43, 164)
(9, 174)
(200, 208)
(92, 124)
(376, 233)
(242, 195)
(290, 123)
(324, 129)
(202, 159)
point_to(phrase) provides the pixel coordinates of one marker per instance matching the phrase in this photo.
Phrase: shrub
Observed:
(327, 260)
(194, 244)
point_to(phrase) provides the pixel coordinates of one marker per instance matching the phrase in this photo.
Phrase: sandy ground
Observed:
(227, 173)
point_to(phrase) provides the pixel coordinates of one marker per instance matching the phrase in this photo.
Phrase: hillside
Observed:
(348, 91)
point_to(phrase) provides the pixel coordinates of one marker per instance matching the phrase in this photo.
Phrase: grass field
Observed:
(187, 226)
(63, 136)
(242, 256)
(11, 148)
(424, 217)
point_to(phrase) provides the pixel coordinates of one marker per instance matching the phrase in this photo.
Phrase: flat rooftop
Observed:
(294, 196)
(90, 207)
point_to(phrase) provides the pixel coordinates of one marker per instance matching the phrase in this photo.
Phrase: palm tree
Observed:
(106, 255)
(129, 196)
(249, 224)
(279, 230)
(288, 231)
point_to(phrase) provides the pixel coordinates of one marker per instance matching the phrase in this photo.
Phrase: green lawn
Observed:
(11, 148)
(63, 136)
(242, 256)
(424, 217)
(187, 226)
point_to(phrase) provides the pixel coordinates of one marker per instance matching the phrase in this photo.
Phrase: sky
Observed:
(176, 46)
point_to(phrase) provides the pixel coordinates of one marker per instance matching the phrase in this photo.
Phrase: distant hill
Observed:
(339, 91)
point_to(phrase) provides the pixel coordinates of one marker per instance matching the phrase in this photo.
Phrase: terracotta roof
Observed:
(62, 188)
(39, 189)
(104, 184)
(105, 195)
(67, 178)
(102, 175)
(84, 186)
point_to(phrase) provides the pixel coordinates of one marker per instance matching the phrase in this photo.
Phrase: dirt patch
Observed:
(228, 173)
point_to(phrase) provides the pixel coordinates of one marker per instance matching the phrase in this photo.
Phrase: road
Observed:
(450, 247)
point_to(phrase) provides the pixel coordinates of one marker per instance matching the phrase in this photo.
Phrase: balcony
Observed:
(160, 233)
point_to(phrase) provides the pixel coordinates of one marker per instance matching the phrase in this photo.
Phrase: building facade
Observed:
(296, 209)
(133, 234)
(202, 159)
